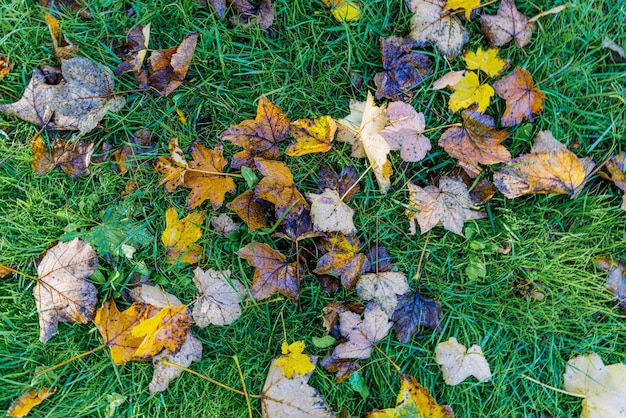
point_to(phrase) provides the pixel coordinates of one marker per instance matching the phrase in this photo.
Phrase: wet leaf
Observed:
(134, 49)
(405, 132)
(297, 229)
(346, 184)
(362, 334)
(616, 282)
(412, 312)
(23, 405)
(382, 288)
(277, 187)
(458, 363)
(293, 360)
(190, 351)
(342, 368)
(507, 25)
(73, 158)
(616, 168)
(249, 210)
(466, 5)
(312, 135)
(220, 299)
(167, 329)
(135, 153)
(469, 91)
(344, 10)
(341, 258)
(204, 179)
(173, 167)
(485, 61)
(330, 213)
(180, 236)
(63, 49)
(523, 99)
(378, 258)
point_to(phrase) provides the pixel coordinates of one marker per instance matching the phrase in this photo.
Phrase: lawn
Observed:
(308, 63)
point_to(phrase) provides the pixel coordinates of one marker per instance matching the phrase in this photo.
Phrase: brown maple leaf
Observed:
(72, 157)
(133, 50)
(412, 312)
(180, 236)
(507, 25)
(204, 177)
(476, 142)
(272, 272)
(5, 66)
(258, 137)
(342, 258)
(173, 167)
(249, 210)
(523, 99)
(134, 153)
(245, 11)
(342, 367)
(277, 186)
(616, 168)
(332, 312)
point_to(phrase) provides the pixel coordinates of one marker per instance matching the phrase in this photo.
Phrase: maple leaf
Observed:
(75, 6)
(469, 91)
(133, 50)
(382, 288)
(78, 103)
(523, 99)
(604, 387)
(62, 294)
(249, 210)
(414, 400)
(154, 295)
(258, 137)
(312, 135)
(342, 368)
(330, 213)
(482, 192)
(173, 167)
(616, 282)
(277, 187)
(190, 351)
(63, 49)
(224, 224)
(412, 312)
(21, 406)
(135, 153)
(405, 132)
(477, 142)
(167, 329)
(449, 204)
(362, 334)
(403, 68)
(617, 173)
(549, 168)
(346, 184)
(204, 179)
(180, 236)
(221, 296)
(272, 272)
(467, 5)
(430, 25)
(344, 10)
(448, 80)
(485, 61)
(507, 25)
(166, 69)
(293, 360)
(5, 66)
(341, 258)
(332, 312)
(72, 157)
(458, 362)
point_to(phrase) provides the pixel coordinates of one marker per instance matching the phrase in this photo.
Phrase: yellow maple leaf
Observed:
(22, 405)
(466, 5)
(167, 329)
(344, 10)
(180, 236)
(312, 135)
(485, 61)
(293, 360)
(469, 91)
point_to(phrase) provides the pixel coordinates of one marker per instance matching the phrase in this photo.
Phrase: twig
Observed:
(243, 384)
(388, 358)
(552, 387)
(63, 363)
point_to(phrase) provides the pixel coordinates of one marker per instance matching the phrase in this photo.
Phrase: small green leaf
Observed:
(323, 342)
(249, 176)
(358, 384)
(475, 269)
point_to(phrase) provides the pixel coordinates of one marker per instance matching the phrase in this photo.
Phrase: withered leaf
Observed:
(272, 272)
(458, 362)
(448, 80)
(362, 334)
(62, 294)
(330, 213)
(133, 50)
(190, 351)
(258, 137)
(332, 312)
(221, 296)
(312, 135)
(75, 6)
(63, 49)
(297, 229)
(523, 99)
(224, 224)
(616, 282)
(72, 157)
(21, 406)
(403, 68)
(173, 167)
(616, 168)
(382, 288)
(277, 186)
(79, 102)
(507, 25)
(249, 210)
(482, 192)
(180, 236)
(378, 259)
(414, 311)
(263, 14)
(220, 7)
(167, 329)
(617, 52)
(154, 295)
(204, 179)
(134, 153)
(346, 184)
(405, 132)
(342, 367)
(476, 142)
(342, 258)
(5, 66)
(549, 168)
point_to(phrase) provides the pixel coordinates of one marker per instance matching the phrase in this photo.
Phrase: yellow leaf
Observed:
(180, 236)
(167, 329)
(22, 405)
(466, 5)
(485, 61)
(312, 136)
(293, 360)
(469, 91)
(344, 10)
(181, 116)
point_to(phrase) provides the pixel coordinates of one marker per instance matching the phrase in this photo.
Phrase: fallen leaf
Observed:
(73, 158)
(220, 7)
(430, 25)
(458, 362)
(341, 258)
(378, 258)
(362, 334)
(167, 329)
(549, 168)
(485, 61)
(75, 6)
(311, 135)
(63, 49)
(405, 132)
(449, 205)
(469, 91)
(412, 312)
(342, 368)
(344, 10)
(617, 52)
(616, 282)
(22, 405)
(135, 153)
(523, 99)
(5, 66)
(332, 312)
(134, 49)
(448, 80)
(78, 103)
(382, 288)
(616, 168)
(297, 229)
(204, 178)
(5, 270)
(507, 25)
(154, 295)
(220, 299)
(467, 5)
(293, 360)
(224, 224)
(258, 137)
(173, 167)
(346, 184)
(180, 236)
(272, 272)
(247, 13)
(414, 400)
(62, 294)
(476, 142)
(249, 210)
(604, 387)
(190, 351)
(482, 192)
(293, 398)
(277, 187)
(330, 213)
(166, 69)
(403, 68)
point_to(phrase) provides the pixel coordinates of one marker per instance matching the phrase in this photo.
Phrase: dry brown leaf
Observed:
(458, 362)
(341, 258)
(167, 329)
(383, 288)
(190, 351)
(23, 405)
(312, 135)
(133, 50)
(616, 167)
(342, 368)
(63, 49)
(330, 213)
(405, 132)
(346, 183)
(362, 334)
(332, 312)
(204, 178)
(249, 210)
(154, 295)
(224, 224)
(277, 187)
(180, 236)
(412, 312)
(173, 167)
(616, 282)
(507, 25)
(221, 296)
(134, 153)
(523, 99)
(72, 157)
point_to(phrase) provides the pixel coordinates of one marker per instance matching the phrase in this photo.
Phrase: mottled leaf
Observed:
(180, 236)
(507, 25)
(412, 312)
(523, 99)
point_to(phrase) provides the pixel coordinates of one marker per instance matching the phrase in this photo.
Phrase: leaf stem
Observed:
(243, 384)
(388, 358)
(214, 173)
(419, 264)
(63, 363)
(441, 127)
(20, 273)
(357, 181)
(577, 395)
(208, 379)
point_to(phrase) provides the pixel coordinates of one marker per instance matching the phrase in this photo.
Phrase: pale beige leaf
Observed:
(448, 80)
(190, 351)
(458, 363)
(155, 296)
(330, 214)
(221, 296)
(224, 224)
(383, 288)
(362, 334)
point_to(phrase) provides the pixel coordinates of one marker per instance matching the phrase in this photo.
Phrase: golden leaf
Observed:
(293, 360)
(180, 236)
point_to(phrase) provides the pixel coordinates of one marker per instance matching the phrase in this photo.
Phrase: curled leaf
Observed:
(134, 49)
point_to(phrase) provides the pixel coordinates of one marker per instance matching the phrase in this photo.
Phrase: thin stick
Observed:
(552, 387)
(388, 358)
(243, 384)
(377, 245)
(215, 382)
(357, 181)
(441, 127)
(214, 173)
(419, 264)
(63, 363)
(278, 299)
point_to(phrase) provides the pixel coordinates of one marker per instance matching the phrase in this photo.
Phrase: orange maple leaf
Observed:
(249, 210)
(278, 187)
(173, 167)
(204, 177)
(523, 99)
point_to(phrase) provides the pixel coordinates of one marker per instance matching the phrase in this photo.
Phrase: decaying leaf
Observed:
(180, 236)
(382, 288)
(507, 25)
(249, 210)
(277, 186)
(133, 50)
(341, 258)
(221, 296)
(165, 330)
(22, 405)
(523, 99)
(468, 91)
(330, 213)
(344, 10)
(190, 351)
(549, 168)
(312, 135)
(204, 178)
(72, 157)
(430, 25)
(362, 334)
(63, 49)
(135, 153)
(173, 167)
(485, 61)
(414, 400)
(346, 184)
(224, 224)
(403, 68)
(448, 80)
(5, 66)
(294, 360)
(154, 295)
(414, 311)
(616, 167)
(604, 387)
(272, 272)
(342, 367)
(62, 294)
(616, 282)
(405, 132)
(331, 316)
(476, 142)
(458, 363)
(466, 5)
(79, 102)
(616, 51)
(449, 204)
(258, 137)
(75, 6)
(482, 192)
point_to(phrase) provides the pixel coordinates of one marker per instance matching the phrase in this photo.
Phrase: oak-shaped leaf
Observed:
(272, 272)
(63, 49)
(549, 168)
(180, 236)
(467, 91)
(362, 333)
(346, 183)
(190, 351)
(79, 102)
(204, 178)
(277, 186)
(412, 312)
(616, 282)
(173, 167)
(458, 362)
(507, 25)
(135, 153)
(62, 294)
(78, 7)
(167, 329)
(312, 135)
(382, 288)
(133, 50)
(616, 168)
(220, 299)
(523, 99)
(449, 205)
(342, 258)
(476, 142)
(603, 387)
(405, 132)
(249, 210)
(430, 24)
(21, 406)
(403, 68)
(259, 137)
(486, 61)
(330, 214)
(414, 400)
(294, 361)
(466, 5)
(73, 158)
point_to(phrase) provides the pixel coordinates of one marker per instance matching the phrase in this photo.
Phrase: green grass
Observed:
(304, 64)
